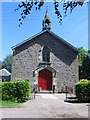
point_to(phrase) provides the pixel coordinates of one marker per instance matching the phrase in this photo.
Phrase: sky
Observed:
(74, 28)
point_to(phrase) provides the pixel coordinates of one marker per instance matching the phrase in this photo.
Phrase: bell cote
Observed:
(46, 22)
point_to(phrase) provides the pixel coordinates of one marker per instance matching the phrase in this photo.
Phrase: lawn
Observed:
(9, 104)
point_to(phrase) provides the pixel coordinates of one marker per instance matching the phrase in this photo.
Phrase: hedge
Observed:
(83, 90)
(16, 90)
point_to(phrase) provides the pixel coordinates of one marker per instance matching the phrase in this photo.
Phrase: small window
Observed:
(46, 54)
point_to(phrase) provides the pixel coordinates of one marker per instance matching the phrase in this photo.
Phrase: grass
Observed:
(9, 104)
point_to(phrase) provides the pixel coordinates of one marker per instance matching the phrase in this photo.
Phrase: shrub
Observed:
(16, 90)
(40, 89)
(84, 80)
(83, 90)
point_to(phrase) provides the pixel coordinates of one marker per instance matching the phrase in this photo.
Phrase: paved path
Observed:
(47, 106)
(47, 96)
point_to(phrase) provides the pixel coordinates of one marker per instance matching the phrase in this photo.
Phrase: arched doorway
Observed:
(45, 79)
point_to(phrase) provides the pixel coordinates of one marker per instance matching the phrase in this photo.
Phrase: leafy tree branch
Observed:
(27, 6)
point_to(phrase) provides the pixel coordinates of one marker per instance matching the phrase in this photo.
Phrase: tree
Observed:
(82, 55)
(84, 64)
(89, 53)
(7, 62)
(27, 5)
(85, 68)
(0, 65)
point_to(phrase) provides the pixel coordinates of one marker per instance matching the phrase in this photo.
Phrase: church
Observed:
(46, 60)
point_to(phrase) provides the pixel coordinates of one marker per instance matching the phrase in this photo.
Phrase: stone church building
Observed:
(46, 60)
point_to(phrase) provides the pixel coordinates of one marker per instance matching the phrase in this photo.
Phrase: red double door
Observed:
(45, 80)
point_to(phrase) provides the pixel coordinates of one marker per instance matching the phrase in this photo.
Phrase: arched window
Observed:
(46, 54)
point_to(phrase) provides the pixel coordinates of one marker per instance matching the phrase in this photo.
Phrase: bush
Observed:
(83, 90)
(16, 90)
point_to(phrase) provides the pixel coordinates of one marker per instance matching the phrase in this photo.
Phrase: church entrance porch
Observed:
(45, 80)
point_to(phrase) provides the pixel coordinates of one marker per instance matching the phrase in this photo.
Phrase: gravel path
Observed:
(47, 106)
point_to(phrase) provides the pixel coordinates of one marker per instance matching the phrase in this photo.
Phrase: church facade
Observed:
(46, 60)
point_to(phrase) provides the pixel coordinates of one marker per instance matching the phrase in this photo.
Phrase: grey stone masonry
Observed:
(63, 59)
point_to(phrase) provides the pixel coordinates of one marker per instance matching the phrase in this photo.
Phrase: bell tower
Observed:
(46, 22)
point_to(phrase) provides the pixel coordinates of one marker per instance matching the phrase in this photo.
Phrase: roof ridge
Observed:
(64, 41)
(52, 33)
(5, 71)
(28, 39)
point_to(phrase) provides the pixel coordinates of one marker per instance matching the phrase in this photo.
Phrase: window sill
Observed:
(44, 63)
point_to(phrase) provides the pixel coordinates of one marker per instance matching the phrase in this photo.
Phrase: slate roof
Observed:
(4, 72)
(51, 33)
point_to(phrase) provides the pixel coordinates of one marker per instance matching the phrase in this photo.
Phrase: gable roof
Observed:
(4, 72)
(51, 33)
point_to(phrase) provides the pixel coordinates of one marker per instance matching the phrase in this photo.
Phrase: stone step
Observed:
(44, 91)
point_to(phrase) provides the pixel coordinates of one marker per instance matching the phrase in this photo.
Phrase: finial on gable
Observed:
(46, 22)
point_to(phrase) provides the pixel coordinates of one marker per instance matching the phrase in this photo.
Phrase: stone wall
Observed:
(62, 58)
